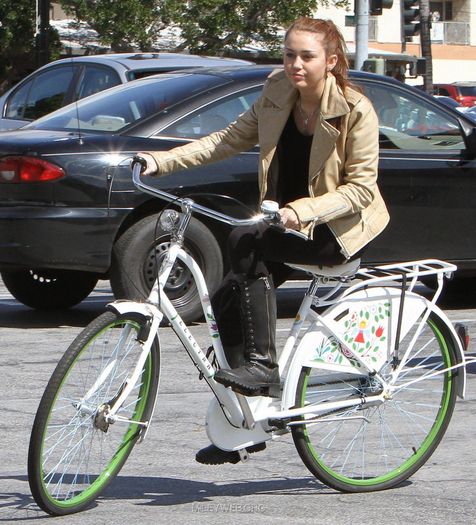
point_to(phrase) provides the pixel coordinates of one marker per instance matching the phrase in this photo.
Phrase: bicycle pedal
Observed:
(244, 454)
(280, 424)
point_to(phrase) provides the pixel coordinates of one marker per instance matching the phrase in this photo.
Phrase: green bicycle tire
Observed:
(66, 470)
(399, 436)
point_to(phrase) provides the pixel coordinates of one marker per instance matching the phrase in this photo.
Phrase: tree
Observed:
(215, 25)
(17, 41)
(211, 26)
(124, 25)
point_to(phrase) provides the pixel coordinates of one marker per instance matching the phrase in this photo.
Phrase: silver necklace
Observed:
(306, 117)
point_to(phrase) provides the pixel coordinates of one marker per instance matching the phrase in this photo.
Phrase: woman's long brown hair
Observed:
(333, 42)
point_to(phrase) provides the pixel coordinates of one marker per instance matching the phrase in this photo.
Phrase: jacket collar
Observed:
(333, 102)
(281, 92)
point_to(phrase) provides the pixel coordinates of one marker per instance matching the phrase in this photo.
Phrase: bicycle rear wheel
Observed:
(74, 452)
(369, 448)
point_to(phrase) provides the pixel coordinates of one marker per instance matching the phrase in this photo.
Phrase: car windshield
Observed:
(468, 91)
(114, 109)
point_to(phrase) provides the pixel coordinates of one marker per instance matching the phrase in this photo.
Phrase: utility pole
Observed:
(425, 42)
(361, 33)
(42, 31)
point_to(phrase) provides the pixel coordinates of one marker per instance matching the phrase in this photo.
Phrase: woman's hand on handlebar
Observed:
(150, 167)
(290, 219)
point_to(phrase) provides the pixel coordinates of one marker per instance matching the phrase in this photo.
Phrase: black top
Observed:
(293, 152)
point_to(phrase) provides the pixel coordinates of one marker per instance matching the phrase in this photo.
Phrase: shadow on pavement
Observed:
(163, 491)
(15, 315)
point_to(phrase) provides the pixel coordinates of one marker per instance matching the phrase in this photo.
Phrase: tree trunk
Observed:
(425, 42)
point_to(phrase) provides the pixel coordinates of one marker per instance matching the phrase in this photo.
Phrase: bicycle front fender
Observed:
(124, 306)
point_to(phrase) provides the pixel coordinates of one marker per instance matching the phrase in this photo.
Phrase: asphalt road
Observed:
(162, 483)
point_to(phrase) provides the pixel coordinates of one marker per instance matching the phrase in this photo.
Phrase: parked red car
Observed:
(463, 92)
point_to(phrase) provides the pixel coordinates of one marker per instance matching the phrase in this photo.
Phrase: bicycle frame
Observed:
(242, 414)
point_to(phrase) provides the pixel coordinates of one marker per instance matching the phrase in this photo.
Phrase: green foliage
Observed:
(17, 41)
(124, 25)
(16, 38)
(208, 26)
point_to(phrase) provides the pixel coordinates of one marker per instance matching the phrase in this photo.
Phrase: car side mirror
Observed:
(469, 134)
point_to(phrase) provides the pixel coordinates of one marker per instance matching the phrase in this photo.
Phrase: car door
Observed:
(426, 176)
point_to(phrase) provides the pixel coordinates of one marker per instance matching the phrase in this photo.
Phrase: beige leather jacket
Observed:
(343, 164)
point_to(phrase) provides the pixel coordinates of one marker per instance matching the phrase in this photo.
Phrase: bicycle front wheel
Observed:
(74, 451)
(368, 448)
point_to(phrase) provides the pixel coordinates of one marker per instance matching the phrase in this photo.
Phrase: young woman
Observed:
(318, 141)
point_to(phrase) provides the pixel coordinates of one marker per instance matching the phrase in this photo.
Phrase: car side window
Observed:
(213, 117)
(43, 94)
(442, 91)
(96, 78)
(409, 123)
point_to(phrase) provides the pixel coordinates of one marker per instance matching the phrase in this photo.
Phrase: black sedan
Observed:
(70, 215)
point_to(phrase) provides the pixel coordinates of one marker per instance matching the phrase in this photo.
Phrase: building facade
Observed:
(453, 37)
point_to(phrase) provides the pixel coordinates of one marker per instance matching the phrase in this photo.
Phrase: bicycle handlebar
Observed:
(269, 209)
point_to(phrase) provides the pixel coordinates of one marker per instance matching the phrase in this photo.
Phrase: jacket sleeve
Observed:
(356, 190)
(238, 136)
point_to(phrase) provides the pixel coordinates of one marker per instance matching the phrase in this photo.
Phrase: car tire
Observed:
(139, 249)
(49, 289)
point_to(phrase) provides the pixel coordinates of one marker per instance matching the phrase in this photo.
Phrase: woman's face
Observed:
(305, 61)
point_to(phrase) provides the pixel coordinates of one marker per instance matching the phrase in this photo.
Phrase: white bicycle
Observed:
(370, 373)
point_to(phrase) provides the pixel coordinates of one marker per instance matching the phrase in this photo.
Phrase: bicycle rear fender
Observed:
(358, 334)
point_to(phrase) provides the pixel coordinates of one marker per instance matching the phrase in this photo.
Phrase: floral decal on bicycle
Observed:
(365, 332)
(213, 326)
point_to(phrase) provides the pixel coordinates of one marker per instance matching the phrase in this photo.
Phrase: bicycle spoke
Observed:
(397, 436)
(78, 451)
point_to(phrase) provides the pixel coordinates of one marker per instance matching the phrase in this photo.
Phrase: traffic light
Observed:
(376, 6)
(411, 18)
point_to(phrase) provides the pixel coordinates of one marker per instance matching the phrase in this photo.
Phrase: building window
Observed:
(441, 11)
(448, 11)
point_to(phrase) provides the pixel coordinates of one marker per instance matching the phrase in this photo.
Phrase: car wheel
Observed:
(49, 289)
(140, 249)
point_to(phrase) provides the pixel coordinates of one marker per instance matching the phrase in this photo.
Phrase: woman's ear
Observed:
(331, 62)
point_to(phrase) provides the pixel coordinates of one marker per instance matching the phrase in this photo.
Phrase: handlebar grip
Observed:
(270, 210)
(269, 207)
(137, 159)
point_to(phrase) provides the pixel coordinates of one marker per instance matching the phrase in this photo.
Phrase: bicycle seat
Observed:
(347, 269)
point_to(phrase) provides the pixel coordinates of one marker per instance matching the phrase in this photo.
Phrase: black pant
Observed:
(263, 250)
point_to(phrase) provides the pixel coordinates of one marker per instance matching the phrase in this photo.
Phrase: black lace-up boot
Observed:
(226, 307)
(259, 375)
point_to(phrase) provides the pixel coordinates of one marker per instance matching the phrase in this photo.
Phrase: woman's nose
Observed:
(296, 62)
